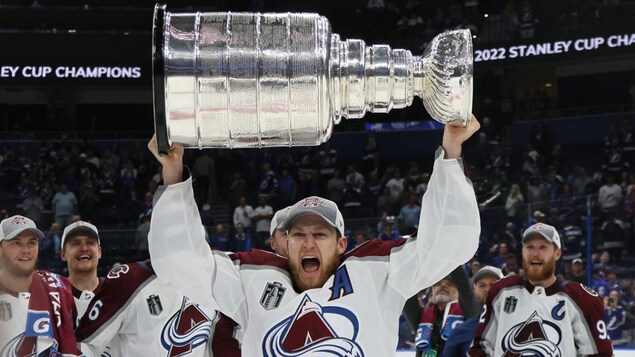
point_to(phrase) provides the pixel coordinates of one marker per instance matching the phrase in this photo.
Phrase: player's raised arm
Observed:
(180, 254)
(449, 225)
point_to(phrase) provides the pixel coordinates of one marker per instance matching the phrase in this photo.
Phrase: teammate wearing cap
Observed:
(461, 337)
(131, 313)
(278, 235)
(538, 315)
(36, 307)
(320, 301)
(81, 251)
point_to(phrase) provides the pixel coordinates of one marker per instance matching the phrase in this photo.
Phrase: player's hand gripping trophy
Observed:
(238, 80)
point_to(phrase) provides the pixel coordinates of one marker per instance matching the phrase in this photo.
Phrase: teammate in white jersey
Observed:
(319, 301)
(538, 315)
(131, 313)
(36, 307)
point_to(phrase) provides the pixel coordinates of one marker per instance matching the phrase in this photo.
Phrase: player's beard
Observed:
(328, 267)
(441, 299)
(547, 271)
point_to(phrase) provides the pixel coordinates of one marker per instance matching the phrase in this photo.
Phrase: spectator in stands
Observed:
(288, 188)
(107, 185)
(409, 215)
(614, 238)
(243, 213)
(537, 194)
(49, 249)
(207, 219)
(242, 241)
(32, 206)
(353, 188)
(219, 239)
(128, 177)
(512, 203)
(610, 197)
(145, 207)
(511, 266)
(374, 189)
(89, 202)
(615, 318)
(604, 263)
(335, 187)
(388, 228)
(237, 188)
(614, 284)
(501, 258)
(615, 159)
(262, 214)
(576, 272)
(64, 205)
(307, 173)
(396, 184)
(579, 180)
(327, 162)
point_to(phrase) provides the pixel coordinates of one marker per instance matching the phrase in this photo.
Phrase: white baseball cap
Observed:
(547, 231)
(278, 219)
(14, 225)
(487, 270)
(325, 209)
(80, 227)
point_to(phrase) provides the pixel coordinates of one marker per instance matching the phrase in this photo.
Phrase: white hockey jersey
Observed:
(519, 319)
(27, 331)
(148, 318)
(356, 312)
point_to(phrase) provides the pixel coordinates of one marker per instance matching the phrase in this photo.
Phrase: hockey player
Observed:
(278, 235)
(36, 307)
(538, 315)
(319, 301)
(131, 313)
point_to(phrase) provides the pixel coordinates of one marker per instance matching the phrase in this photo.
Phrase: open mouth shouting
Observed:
(310, 264)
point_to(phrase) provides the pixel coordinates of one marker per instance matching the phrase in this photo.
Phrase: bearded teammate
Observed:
(538, 315)
(36, 307)
(319, 301)
(130, 313)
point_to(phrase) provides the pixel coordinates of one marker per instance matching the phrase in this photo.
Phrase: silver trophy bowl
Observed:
(242, 80)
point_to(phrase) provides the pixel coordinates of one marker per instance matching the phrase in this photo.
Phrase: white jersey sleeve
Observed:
(182, 258)
(448, 232)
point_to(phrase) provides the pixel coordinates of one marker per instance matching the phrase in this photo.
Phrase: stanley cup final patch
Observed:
(154, 305)
(5, 311)
(272, 295)
(510, 304)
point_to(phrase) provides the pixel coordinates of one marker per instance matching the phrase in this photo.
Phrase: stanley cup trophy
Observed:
(241, 80)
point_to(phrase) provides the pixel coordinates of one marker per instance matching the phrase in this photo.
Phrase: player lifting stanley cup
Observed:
(318, 301)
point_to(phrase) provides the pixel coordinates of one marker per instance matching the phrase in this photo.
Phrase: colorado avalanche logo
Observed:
(187, 329)
(533, 337)
(20, 346)
(308, 333)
